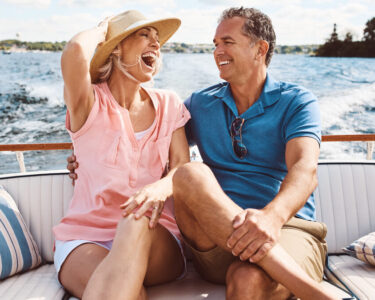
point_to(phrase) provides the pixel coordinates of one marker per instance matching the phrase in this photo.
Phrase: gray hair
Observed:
(258, 26)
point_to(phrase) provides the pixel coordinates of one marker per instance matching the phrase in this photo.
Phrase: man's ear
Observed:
(262, 49)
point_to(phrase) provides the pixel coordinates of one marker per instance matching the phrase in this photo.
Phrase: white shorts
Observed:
(64, 248)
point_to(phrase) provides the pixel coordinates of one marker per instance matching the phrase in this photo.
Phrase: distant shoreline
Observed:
(10, 46)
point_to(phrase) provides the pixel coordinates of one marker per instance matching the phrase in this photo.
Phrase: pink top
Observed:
(113, 164)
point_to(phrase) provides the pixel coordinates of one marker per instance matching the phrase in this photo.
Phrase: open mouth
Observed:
(149, 58)
(223, 63)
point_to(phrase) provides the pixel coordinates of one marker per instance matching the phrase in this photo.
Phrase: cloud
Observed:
(198, 26)
(299, 25)
(246, 3)
(354, 9)
(295, 21)
(37, 3)
(219, 2)
(53, 28)
(115, 3)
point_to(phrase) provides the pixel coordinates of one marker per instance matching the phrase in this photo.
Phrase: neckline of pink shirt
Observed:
(128, 125)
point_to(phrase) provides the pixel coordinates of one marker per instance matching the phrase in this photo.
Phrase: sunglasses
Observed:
(235, 132)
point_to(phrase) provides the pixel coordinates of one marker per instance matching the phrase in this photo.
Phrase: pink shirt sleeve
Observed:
(183, 115)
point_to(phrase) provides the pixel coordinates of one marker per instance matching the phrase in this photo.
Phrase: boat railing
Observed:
(369, 139)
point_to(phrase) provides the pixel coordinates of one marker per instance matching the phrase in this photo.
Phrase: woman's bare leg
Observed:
(79, 266)
(138, 255)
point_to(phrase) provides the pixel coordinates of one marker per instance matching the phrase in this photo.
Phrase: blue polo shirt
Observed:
(283, 111)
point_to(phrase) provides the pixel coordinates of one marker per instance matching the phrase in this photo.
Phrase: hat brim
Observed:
(165, 27)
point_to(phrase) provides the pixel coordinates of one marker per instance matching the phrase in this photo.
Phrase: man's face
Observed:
(235, 54)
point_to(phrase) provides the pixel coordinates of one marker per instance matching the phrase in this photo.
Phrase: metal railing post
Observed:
(21, 161)
(370, 149)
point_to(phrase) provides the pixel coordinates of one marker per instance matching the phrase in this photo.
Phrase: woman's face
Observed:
(142, 45)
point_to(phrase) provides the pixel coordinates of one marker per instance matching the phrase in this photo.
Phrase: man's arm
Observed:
(257, 231)
(301, 158)
(188, 130)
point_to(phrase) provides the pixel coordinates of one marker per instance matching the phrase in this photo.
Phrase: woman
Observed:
(123, 135)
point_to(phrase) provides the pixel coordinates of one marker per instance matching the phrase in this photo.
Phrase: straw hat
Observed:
(121, 26)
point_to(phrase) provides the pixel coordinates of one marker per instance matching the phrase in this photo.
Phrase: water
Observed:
(32, 108)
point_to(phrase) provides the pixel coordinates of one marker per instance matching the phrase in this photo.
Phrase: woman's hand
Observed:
(151, 196)
(103, 27)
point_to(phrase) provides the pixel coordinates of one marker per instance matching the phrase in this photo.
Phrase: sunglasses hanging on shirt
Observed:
(236, 134)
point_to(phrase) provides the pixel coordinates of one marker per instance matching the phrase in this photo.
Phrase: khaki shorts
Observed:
(303, 240)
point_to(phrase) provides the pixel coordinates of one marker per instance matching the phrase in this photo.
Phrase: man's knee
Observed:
(185, 186)
(188, 177)
(245, 281)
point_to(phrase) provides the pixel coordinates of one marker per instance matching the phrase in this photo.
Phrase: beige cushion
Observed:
(40, 283)
(191, 287)
(358, 276)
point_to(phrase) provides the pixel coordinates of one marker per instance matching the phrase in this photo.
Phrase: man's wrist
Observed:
(279, 216)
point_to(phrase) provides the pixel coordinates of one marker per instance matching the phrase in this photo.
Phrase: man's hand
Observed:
(255, 233)
(72, 165)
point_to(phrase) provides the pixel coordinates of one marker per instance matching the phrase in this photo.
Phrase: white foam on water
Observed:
(52, 91)
(343, 150)
(342, 112)
(335, 106)
(30, 125)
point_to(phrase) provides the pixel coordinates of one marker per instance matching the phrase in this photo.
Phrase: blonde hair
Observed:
(114, 59)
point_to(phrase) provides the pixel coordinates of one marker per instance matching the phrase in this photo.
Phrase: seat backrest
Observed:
(43, 199)
(345, 201)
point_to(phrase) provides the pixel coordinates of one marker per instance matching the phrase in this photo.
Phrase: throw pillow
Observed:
(18, 250)
(363, 248)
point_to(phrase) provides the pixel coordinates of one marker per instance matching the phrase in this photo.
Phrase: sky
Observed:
(296, 22)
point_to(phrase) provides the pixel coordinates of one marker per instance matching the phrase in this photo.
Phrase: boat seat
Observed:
(40, 283)
(354, 274)
(344, 201)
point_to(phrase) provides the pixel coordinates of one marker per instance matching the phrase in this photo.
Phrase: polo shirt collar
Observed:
(271, 91)
(270, 94)
(225, 94)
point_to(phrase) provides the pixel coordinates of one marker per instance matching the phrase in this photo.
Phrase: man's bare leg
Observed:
(205, 213)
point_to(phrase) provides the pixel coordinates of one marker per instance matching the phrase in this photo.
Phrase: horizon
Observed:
(296, 22)
(168, 42)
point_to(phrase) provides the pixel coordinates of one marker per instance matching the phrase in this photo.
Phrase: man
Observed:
(259, 141)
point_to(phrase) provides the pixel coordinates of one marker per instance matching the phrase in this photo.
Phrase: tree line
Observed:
(46, 46)
(334, 47)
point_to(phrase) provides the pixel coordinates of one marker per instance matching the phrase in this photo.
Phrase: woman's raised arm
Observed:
(75, 67)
